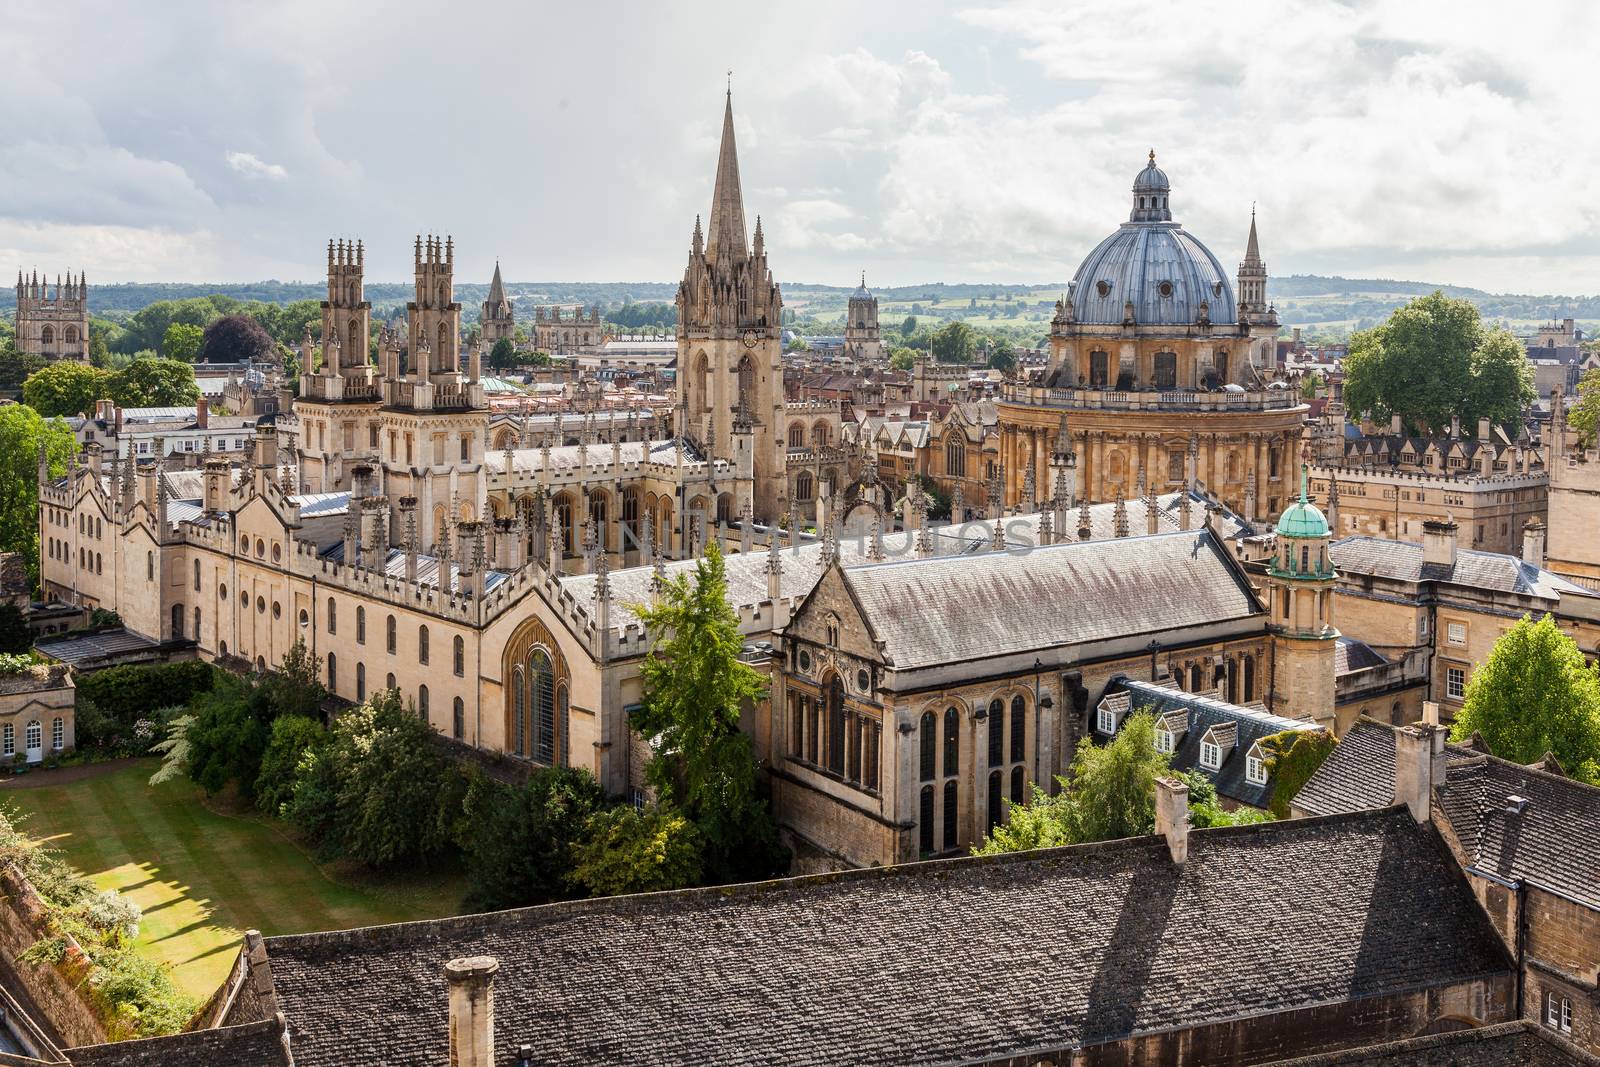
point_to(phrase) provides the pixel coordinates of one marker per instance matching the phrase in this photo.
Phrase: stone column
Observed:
(1096, 486)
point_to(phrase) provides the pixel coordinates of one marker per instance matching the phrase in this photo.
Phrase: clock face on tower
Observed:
(750, 338)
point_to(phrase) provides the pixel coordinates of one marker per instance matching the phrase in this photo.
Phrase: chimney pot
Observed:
(1419, 767)
(471, 982)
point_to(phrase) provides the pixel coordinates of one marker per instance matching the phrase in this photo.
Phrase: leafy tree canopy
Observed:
(954, 342)
(1536, 694)
(503, 354)
(695, 689)
(902, 359)
(236, 339)
(519, 843)
(66, 389)
(22, 433)
(182, 342)
(1584, 415)
(1433, 361)
(629, 851)
(155, 383)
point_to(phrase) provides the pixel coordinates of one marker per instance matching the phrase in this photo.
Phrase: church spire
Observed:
(497, 289)
(1252, 248)
(726, 229)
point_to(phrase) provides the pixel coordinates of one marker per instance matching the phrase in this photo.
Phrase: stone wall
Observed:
(55, 989)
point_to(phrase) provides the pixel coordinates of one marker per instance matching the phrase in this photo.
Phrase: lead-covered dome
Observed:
(1150, 261)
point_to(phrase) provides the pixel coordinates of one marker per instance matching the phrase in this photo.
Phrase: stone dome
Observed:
(1152, 262)
(862, 292)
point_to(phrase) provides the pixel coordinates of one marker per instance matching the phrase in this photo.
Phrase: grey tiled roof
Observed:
(1358, 773)
(953, 609)
(1351, 655)
(90, 647)
(427, 567)
(1554, 843)
(932, 963)
(257, 1044)
(1402, 561)
(1513, 1044)
(1203, 713)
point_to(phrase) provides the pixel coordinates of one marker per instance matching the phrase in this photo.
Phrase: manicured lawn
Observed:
(202, 877)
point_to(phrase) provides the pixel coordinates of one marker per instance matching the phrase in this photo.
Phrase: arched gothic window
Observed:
(541, 707)
(929, 739)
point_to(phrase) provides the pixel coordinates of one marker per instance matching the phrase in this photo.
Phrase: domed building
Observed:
(1165, 373)
(861, 337)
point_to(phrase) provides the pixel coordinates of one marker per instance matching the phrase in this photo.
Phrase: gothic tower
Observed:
(1300, 585)
(434, 318)
(730, 374)
(53, 325)
(498, 320)
(861, 338)
(346, 314)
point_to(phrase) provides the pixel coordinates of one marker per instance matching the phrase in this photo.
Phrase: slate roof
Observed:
(257, 1044)
(1200, 714)
(1351, 655)
(933, 963)
(95, 646)
(1554, 843)
(954, 609)
(1515, 1044)
(394, 566)
(1497, 571)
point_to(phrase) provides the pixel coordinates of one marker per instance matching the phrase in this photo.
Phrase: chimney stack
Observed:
(202, 413)
(1395, 426)
(1533, 542)
(1172, 816)
(1439, 542)
(471, 981)
(1419, 766)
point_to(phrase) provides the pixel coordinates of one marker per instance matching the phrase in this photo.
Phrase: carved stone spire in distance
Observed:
(726, 231)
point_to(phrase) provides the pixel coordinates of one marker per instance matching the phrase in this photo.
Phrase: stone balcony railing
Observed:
(1153, 399)
(336, 388)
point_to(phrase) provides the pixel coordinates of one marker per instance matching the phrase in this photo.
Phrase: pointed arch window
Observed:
(930, 746)
(541, 707)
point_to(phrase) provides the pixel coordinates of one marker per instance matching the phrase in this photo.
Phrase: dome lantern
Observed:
(1150, 192)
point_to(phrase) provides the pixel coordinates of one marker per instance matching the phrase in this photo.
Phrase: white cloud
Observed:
(252, 166)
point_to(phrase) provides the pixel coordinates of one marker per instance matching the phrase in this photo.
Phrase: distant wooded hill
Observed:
(1301, 298)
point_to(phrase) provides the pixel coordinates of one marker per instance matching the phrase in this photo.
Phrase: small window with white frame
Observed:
(1455, 683)
(1163, 739)
(1108, 720)
(1456, 633)
(1558, 1012)
(1255, 766)
(1210, 755)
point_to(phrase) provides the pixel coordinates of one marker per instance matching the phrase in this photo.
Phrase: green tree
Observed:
(379, 791)
(1003, 355)
(1584, 415)
(1205, 807)
(954, 342)
(155, 383)
(519, 842)
(1536, 694)
(22, 434)
(902, 359)
(1310, 384)
(182, 342)
(15, 634)
(1109, 794)
(695, 689)
(908, 326)
(16, 368)
(290, 741)
(1432, 360)
(227, 739)
(503, 354)
(66, 389)
(629, 851)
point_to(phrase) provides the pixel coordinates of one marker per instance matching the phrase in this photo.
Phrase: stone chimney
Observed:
(1483, 429)
(202, 413)
(1533, 542)
(1430, 712)
(216, 481)
(96, 461)
(1439, 542)
(266, 446)
(471, 981)
(1395, 426)
(1419, 766)
(1172, 816)
(106, 411)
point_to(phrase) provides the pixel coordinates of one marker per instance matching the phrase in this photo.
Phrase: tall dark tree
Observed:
(236, 339)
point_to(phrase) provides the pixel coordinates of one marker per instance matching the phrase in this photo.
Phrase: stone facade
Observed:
(862, 341)
(36, 714)
(568, 331)
(1574, 550)
(53, 323)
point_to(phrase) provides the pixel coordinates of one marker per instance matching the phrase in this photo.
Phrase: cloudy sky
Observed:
(1450, 142)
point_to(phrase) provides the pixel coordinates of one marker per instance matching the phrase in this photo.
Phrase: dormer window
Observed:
(1170, 729)
(1113, 708)
(1216, 744)
(1255, 766)
(1164, 740)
